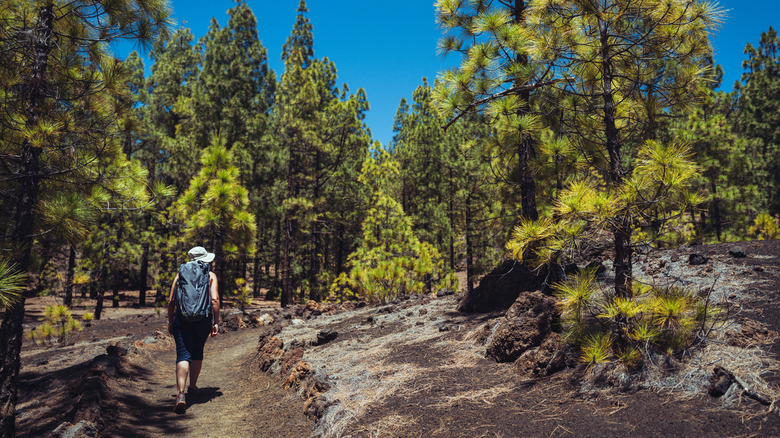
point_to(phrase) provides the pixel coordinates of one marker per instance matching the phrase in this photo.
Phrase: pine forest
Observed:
(566, 129)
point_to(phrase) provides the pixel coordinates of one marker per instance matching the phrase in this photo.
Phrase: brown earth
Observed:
(417, 368)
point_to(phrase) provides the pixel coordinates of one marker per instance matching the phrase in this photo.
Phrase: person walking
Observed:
(193, 314)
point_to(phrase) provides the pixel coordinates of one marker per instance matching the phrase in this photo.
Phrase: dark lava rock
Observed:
(697, 259)
(737, 252)
(526, 325)
(445, 292)
(118, 350)
(501, 287)
(315, 407)
(387, 309)
(104, 364)
(233, 323)
(720, 381)
(325, 336)
(551, 356)
(268, 331)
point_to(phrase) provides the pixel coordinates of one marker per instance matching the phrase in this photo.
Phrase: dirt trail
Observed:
(234, 399)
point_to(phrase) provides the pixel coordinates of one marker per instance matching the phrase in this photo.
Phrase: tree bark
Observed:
(287, 269)
(11, 329)
(144, 274)
(101, 292)
(68, 300)
(525, 146)
(219, 264)
(622, 226)
(340, 253)
(469, 248)
(716, 210)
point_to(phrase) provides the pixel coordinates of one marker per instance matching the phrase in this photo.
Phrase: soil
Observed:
(417, 368)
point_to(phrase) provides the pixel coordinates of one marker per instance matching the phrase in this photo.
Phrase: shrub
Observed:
(243, 294)
(765, 227)
(603, 326)
(58, 323)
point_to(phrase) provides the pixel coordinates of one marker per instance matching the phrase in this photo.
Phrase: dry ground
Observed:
(414, 369)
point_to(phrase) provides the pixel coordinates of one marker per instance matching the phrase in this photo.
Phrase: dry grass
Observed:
(486, 396)
(366, 368)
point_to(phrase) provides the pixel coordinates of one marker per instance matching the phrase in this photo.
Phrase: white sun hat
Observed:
(200, 253)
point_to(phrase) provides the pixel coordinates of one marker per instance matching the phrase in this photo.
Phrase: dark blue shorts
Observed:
(190, 338)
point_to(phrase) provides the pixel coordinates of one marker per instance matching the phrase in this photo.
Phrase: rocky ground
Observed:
(419, 367)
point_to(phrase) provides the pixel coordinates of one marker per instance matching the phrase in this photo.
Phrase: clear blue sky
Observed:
(387, 47)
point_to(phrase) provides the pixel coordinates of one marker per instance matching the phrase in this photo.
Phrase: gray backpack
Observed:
(193, 292)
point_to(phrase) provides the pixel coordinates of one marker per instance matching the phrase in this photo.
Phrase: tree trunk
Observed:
(219, 264)
(101, 292)
(114, 293)
(315, 250)
(165, 262)
(469, 248)
(11, 329)
(287, 269)
(716, 210)
(622, 228)
(452, 220)
(144, 274)
(340, 253)
(68, 300)
(256, 276)
(525, 146)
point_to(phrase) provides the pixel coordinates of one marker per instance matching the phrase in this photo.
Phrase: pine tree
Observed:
(497, 73)
(758, 116)
(165, 112)
(390, 261)
(444, 176)
(732, 171)
(215, 210)
(420, 149)
(51, 44)
(235, 88)
(624, 64)
(321, 130)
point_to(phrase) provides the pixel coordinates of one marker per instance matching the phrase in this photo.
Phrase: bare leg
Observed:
(195, 366)
(182, 369)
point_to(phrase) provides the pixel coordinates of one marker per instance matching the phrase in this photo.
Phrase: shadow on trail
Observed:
(47, 399)
(144, 412)
(205, 395)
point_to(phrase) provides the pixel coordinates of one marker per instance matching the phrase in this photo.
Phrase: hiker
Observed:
(193, 314)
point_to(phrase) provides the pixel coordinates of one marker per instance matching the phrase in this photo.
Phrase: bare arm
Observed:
(171, 302)
(214, 302)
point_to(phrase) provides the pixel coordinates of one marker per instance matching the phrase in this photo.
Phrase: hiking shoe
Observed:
(181, 403)
(192, 392)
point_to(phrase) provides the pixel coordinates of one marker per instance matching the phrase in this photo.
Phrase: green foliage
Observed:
(215, 206)
(653, 196)
(12, 283)
(596, 348)
(243, 294)
(322, 140)
(494, 78)
(390, 261)
(765, 227)
(758, 111)
(58, 324)
(668, 319)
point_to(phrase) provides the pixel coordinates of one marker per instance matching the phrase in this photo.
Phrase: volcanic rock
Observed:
(526, 324)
